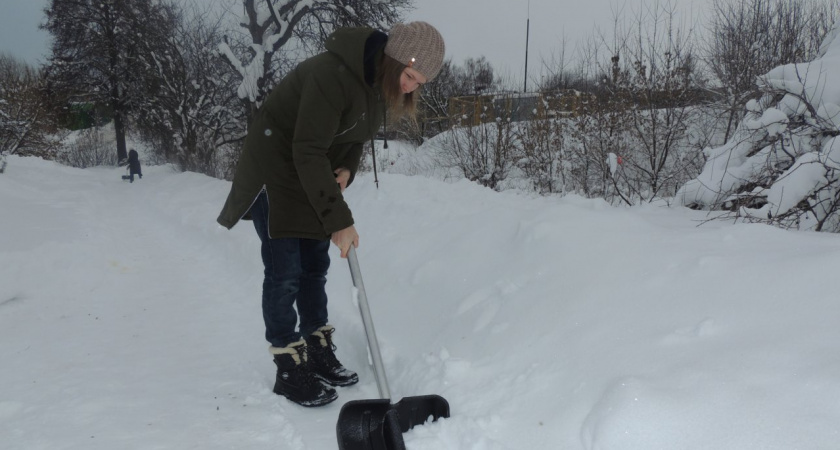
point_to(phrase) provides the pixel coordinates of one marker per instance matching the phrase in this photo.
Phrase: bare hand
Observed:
(342, 176)
(343, 239)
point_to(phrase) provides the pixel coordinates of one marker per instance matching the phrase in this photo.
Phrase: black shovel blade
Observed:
(378, 425)
(369, 425)
(416, 410)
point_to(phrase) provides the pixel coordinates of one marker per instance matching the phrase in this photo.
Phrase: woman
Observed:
(302, 150)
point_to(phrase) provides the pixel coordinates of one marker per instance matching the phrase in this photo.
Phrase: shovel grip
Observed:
(367, 321)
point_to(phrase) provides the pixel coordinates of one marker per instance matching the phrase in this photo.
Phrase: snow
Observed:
(772, 119)
(765, 140)
(612, 161)
(803, 178)
(130, 319)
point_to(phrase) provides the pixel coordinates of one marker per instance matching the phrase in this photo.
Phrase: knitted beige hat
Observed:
(417, 45)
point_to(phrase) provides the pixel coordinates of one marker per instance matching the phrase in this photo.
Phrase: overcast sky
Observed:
(19, 33)
(471, 28)
(497, 28)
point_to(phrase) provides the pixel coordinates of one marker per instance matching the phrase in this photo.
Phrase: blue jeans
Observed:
(295, 275)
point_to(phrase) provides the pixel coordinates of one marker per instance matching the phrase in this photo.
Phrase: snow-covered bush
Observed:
(26, 123)
(485, 153)
(748, 38)
(782, 163)
(541, 158)
(90, 147)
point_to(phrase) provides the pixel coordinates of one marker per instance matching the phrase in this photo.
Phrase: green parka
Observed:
(316, 120)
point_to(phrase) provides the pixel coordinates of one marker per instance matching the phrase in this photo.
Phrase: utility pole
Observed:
(527, 34)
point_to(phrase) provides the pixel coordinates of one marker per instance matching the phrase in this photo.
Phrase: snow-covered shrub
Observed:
(541, 157)
(748, 38)
(26, 123)
(484, 153)
(629, 139)
(89, 148)
(596, 130)
(782, 164)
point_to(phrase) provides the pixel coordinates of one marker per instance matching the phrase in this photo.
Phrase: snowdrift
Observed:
(130, 320)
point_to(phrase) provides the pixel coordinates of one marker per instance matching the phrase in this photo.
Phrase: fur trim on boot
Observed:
(296, 379)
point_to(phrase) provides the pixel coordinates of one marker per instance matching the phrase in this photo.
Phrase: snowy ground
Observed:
(130, 320)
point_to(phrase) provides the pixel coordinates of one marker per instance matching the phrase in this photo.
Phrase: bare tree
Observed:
(474, 77)
(485, 153)
(626, 110)
(434, 99)
(747, 38)
(557, 73)
(598, 123)
(95, 49)
(541, 159)
(191, 109)
(25, 116)
(658, 83)
(263, 52)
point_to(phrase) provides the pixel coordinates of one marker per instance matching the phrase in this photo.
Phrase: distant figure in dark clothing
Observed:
(133, 166)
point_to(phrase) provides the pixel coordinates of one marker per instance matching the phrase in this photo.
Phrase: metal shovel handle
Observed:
(373, 344)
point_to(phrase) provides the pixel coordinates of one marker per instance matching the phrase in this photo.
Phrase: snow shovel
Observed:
(376, 424)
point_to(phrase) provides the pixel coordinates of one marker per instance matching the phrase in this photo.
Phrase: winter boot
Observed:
(296, 379)
(323, 361)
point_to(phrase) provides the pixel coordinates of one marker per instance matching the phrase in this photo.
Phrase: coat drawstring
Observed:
(373, 147)
(373, 156)
(385, 126)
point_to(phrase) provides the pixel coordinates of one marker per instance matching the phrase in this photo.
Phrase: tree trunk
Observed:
(119, 129)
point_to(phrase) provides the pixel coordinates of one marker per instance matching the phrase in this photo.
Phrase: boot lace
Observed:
(328, 337)
(326, 354)
(308, 378)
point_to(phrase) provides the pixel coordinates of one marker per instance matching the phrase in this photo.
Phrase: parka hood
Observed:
(315, 120)
(354, 46)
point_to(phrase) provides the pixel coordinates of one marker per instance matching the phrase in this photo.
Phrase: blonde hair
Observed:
(399, 105)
